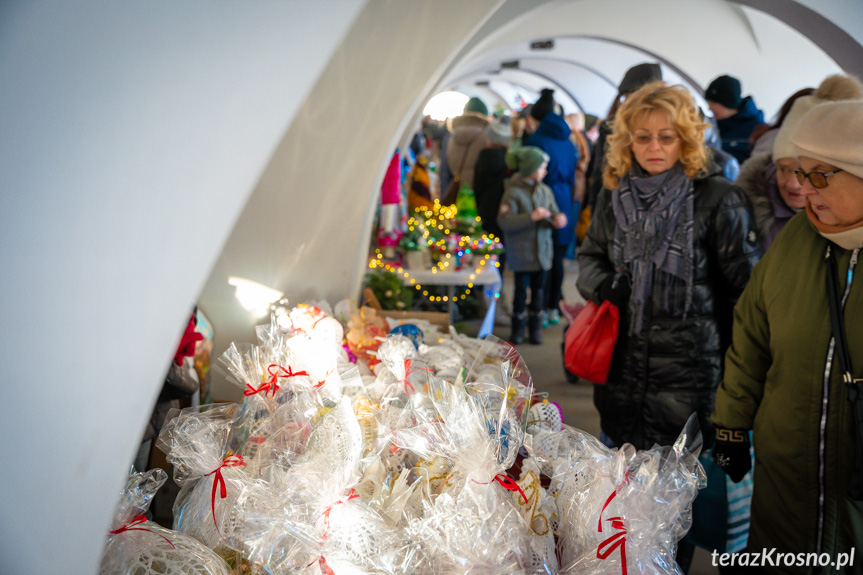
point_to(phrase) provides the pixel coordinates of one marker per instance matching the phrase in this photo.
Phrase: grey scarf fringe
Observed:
(653, 239)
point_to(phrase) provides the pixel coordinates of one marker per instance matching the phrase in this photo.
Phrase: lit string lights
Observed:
(434, 230)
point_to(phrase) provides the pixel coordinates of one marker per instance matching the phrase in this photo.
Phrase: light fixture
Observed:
(542, 45)
(253, 296)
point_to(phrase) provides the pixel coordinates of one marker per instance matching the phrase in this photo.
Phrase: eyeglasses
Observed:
(664, 140)
(817, 179)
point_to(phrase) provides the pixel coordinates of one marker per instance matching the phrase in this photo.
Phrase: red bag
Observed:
(589, 342)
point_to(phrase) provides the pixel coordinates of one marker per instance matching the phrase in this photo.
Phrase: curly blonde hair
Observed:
(675, 101)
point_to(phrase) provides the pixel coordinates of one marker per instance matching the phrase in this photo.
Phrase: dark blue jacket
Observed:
(552, 137)
(735, 131)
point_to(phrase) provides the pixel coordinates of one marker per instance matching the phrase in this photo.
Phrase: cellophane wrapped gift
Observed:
(475, 523)
(137, 546)
(211, 478)
(622, 510)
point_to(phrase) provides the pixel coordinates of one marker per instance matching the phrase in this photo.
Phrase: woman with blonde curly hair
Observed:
(672, 244)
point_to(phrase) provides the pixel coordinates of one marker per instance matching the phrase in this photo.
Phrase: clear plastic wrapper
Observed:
(475, 524)
(136, 546)
(622, 510)
(211, 478)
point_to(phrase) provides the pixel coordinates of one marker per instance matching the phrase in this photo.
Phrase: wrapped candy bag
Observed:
(474, 523)
(137, 546)
(623, 510)
(210, 477)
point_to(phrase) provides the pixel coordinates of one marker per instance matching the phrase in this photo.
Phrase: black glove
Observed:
(619, 293)
(731, 452)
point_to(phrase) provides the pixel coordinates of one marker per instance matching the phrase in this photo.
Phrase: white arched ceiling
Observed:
(133, 134)
(694, 42)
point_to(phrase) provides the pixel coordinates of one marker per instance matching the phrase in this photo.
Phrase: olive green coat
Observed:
(774, 385)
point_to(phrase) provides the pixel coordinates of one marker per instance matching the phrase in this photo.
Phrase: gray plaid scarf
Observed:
(653, 239)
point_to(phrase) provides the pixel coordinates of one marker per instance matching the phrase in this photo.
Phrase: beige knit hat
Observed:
(831, 133)
(832, 89)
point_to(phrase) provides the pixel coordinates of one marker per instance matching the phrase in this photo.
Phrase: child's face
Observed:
(540, 173)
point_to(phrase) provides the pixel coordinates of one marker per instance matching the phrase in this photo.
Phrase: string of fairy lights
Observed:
(439, 218)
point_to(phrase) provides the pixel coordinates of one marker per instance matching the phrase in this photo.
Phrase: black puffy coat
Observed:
(672, 367)
(491, 172)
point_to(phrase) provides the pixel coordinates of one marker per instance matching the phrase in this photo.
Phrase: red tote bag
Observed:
(589, 342)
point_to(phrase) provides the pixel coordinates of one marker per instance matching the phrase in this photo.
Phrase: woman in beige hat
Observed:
(783, 373)
(768, 177)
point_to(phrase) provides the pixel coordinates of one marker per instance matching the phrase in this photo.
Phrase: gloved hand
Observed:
(731, 452)
(616, 294)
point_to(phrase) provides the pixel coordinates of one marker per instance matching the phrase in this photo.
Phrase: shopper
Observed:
(768, 178)
(528, 214)
(463, 148)
(672, 244)
(782, 377)
(553, 137)
(736, 116)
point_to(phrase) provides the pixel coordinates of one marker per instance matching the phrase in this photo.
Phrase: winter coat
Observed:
(735, 131)
(774, 385)
(552, 137)
(468, 140)
(597, 163)
(529, 246)
(758, 179)
(671, 368)
(488, 183)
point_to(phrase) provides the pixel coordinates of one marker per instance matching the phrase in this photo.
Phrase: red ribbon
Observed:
(324, 380)
(219, 481)
(409, 371)
(507, 483)
(352, 494)
(618, 540)
(137, 520)
(272, 385)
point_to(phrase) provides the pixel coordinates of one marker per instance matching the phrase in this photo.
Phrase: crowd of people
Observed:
(713, 233)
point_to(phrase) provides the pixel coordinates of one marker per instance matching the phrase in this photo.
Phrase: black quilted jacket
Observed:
(672, 367)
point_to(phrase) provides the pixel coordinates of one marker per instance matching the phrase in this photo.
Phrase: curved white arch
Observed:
(151, 150)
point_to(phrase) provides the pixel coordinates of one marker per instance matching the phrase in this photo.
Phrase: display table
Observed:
(483, 275)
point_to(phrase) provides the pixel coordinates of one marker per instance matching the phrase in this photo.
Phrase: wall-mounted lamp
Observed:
(253, 296)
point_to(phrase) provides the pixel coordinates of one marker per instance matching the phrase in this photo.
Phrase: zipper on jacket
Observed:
(825, 394)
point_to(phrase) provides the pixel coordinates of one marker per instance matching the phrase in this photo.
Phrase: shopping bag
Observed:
(589, 342)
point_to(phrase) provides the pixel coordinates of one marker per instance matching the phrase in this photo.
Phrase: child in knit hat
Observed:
(527, 215)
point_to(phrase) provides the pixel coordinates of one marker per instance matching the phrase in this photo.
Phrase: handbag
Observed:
(854, 391)
(589, 341)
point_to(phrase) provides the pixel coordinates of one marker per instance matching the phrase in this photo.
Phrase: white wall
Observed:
(131, 133)
(307, 226)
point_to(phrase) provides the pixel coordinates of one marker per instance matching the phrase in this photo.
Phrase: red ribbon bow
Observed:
(272, 384)
(219, 481)
(507, 483)
(131, 526)
(618, 540)
(352, 494)
(324, 380)
(409, 371)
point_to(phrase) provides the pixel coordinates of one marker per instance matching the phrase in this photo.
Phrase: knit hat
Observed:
(498, 134)
(526, 111)
(544, 106)
(526, 160)
(724, 90)
(831, 133)
(638, 76)
(476, 105)
(832, 89)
